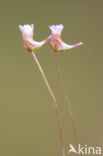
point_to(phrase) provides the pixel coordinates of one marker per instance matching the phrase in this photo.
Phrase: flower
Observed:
(56, 41)
(27, 34)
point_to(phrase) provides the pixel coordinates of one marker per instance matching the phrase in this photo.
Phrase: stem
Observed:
(67, 100)
(54, 101)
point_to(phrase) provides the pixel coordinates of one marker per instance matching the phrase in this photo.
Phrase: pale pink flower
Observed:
(56, 41)
(27, 34)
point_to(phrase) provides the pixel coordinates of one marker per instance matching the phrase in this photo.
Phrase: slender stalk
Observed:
(67, 100)
(54, 101)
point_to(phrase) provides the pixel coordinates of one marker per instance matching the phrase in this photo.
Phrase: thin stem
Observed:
(54, 101)
(67, 100)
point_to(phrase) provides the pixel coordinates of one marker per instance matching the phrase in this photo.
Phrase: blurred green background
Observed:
(28, 125)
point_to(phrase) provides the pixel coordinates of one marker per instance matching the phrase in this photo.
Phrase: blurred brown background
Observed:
(28, 125)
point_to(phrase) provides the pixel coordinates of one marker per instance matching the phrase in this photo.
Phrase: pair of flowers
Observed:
(56, 41)
(58, 45)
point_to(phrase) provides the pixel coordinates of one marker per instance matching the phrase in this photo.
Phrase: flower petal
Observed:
(56, 29)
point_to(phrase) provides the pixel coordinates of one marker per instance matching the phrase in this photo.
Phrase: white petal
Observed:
(59, 28)
(56, 29)
(67, 46)
(27, 30)
(32, 25)
(21, 28)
